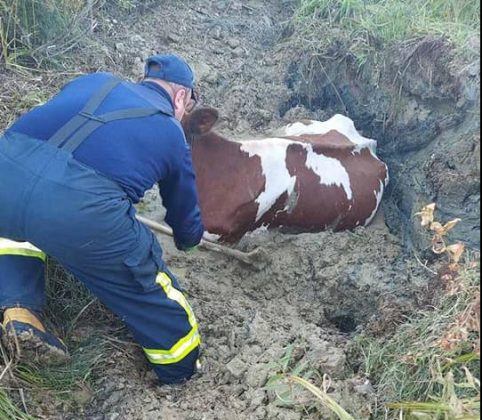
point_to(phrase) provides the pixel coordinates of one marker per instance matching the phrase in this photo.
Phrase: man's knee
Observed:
(178, 372)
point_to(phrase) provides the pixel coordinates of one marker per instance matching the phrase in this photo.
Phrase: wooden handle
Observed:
(251, 258)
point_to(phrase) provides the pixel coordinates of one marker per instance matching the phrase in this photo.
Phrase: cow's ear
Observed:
(202, 120)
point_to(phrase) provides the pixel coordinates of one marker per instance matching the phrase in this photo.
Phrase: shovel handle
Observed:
(209, 245)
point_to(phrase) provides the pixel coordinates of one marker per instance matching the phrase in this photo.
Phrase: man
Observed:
(70, 173)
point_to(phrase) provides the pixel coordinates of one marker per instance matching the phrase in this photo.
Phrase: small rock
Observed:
(205, 73)
(257, 376)
(173, 37)
(256, 398)
(365, 388)
(236, 367)
(83, 395)
(137, 39)
(260, 413)
(233, 43)
(238, 52)
(119, 46)
(216, 33)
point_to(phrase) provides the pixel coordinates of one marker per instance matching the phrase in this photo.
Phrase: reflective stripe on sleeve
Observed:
(186, 344)
(26, 249)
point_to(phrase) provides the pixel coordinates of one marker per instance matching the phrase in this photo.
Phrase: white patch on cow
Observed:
(272, 153)
(330, 170)
(378, 197)
(387, 176)
(338, 122)
(212, 237)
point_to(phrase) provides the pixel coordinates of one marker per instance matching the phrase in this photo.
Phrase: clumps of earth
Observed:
(298, 311)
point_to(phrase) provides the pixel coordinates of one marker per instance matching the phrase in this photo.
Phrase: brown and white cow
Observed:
(316, 176)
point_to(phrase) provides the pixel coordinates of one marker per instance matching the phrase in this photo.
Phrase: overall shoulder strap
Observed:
(71, 135)
(90, 126)
(64, 132)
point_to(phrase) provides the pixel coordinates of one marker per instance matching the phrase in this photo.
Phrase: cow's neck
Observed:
(214, 141)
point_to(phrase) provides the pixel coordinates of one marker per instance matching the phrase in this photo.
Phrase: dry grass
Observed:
(34, 31)
(373, 25)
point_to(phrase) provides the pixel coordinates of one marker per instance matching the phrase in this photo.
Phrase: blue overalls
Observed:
(86, 221)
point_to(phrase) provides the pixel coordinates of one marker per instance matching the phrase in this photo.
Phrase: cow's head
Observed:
(199, 122)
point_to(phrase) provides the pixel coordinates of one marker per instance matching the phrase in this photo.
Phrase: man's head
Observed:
(173, 74)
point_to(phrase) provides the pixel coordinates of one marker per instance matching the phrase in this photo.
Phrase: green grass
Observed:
(69, 385)
(68, 301)
(63, 382)
(375, 24)
(36, 32)
(292, 380)
(8, 410)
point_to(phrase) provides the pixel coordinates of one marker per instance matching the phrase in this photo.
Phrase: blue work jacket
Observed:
(136, 153)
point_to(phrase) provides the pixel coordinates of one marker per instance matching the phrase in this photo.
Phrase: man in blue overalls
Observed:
(71, 171)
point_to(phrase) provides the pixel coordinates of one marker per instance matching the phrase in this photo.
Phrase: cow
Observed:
(313, 177)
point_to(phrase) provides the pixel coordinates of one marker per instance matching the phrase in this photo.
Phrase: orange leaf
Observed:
(455, 251)
(438, 244)
(437, 228)
(450, 225)
(426, 214)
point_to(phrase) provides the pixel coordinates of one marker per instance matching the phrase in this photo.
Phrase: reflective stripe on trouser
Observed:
(19, 261)
(26, 249)
(87, 223)
(22, 275)
(186, 344)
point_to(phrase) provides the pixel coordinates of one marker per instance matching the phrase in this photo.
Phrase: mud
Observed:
(316, 291)
(305, 306)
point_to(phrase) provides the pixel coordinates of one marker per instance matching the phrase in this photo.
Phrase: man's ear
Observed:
(179, 98)
(201, 121)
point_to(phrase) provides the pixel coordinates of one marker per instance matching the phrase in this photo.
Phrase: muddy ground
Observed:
(318, 290)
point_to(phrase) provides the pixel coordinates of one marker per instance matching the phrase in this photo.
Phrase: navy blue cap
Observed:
(171, 68)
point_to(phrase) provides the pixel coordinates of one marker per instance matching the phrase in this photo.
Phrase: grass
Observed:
(431, 364)
(69, 385)
(294, 378)
(87, 359)
(36, 32)
(428, 369)
(68, 300)
(32, 31)
(8, 410)
(323, 397)
(368, 25)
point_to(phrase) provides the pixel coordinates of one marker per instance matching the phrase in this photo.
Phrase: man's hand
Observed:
(190, 249)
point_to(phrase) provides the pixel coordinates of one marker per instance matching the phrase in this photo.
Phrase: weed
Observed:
(8, 410)
(293, 378)
(32, 31)
(71, 383)
(370, 22)
(429, 367)
(87, 358)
